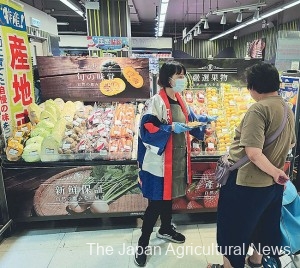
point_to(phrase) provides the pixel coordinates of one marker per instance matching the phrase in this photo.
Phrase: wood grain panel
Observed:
(79, 78)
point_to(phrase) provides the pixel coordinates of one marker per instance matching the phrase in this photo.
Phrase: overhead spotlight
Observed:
(196, 32)
(223, 20)
(199, 30)
(235, 37)
(175, 41)
(206, 26)
(256, 14)
(239, 17)
(185, 40)
(190, 37)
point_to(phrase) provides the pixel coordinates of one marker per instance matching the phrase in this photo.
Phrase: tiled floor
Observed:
(103, 245)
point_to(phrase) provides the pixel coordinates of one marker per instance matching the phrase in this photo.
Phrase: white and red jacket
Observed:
(155, 146)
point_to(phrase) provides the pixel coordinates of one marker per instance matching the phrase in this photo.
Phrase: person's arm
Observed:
(257, 157)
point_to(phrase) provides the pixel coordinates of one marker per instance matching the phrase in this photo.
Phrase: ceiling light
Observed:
(256, 14)
(162, 16)
(62, 23)
(73, 7)
(199, 30)
(263, 16)
(223, 20)
(206, 26)
(239, 18)
(196, 32)
(163, 8)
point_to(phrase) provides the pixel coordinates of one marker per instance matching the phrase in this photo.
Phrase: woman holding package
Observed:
(164, 154)
(250, 202)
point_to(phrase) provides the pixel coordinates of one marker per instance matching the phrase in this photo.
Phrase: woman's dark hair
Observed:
(167, 70)
(263, 78)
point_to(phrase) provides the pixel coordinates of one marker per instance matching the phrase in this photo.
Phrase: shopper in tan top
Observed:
(249, 206)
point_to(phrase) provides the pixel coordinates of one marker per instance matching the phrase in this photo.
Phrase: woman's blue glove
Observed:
(180, 127)
(206, 118)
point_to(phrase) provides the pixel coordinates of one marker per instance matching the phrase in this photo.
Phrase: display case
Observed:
(87, 168)
(289, 90)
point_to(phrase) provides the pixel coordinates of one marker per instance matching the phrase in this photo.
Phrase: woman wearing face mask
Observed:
(164, 154)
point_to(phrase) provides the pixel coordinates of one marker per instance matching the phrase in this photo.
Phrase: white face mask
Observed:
(180, 84)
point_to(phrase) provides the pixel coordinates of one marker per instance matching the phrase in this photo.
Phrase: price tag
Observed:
(211, 145)
(13, 151)
(103, 152)
(196, 145)
(214, 111)
(68, 133)
(225, 130)
(49, 151)
(66, 146)
(68, 118)
(113, 148)
(76, 124)
(79, 120)
(82, 147)
(232, 103)
(33, 153)
(127, 148)
(96, 121)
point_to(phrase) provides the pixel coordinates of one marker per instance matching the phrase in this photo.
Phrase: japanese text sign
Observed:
(16, 81)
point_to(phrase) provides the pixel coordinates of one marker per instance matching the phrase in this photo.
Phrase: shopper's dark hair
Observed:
(263, 78)
(167, 70)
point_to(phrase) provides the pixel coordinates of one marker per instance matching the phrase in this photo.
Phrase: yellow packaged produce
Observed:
(51, 106)
(32, 152)
(49, 149)
(42, 106)
(36, 139)
(14, 150)
(25, 127)
(58, 131)
(60, 103)
(69, 111)
(34, 112)
(46, 124)
(46, 115)
(39, 131)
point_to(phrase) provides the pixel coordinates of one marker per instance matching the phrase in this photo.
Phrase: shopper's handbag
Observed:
(225, 166)
(290, 219)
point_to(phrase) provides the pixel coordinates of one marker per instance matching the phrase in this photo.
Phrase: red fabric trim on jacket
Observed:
(151, 128)
(168, 178)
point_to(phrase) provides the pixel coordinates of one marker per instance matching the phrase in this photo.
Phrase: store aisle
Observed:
(113, 248)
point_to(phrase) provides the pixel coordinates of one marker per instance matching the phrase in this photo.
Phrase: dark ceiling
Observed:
(180, 14)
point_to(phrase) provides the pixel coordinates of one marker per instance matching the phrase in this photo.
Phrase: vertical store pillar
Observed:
(109, 19)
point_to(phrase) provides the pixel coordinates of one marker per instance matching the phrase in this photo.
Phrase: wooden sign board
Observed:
(91, 79)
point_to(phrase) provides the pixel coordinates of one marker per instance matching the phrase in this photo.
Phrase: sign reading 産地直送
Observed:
(16, 81)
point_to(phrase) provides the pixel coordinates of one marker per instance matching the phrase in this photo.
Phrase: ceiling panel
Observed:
(180, 14)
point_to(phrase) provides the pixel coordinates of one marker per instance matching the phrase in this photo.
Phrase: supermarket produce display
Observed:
(75, 157)
(67, 131)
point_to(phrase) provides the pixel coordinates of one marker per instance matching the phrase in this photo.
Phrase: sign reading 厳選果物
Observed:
(16, 81)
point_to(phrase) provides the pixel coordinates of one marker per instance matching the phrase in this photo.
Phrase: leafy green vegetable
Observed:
(113, 180)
